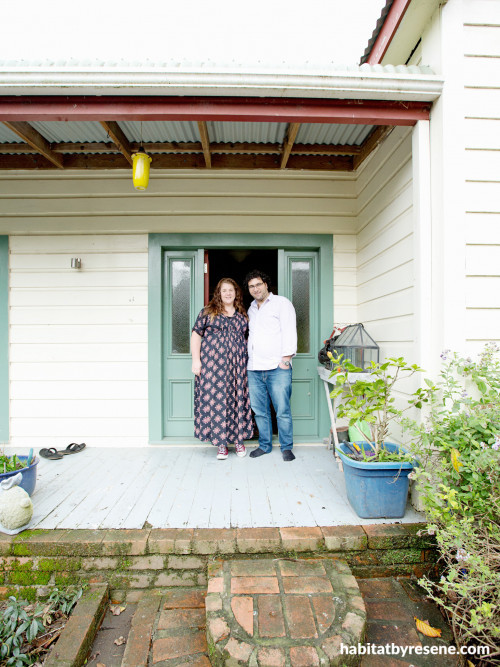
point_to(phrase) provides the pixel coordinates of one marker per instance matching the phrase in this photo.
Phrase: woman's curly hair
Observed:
(215, 306)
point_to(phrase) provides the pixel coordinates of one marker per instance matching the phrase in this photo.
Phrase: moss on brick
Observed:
(16, 566)
(20, 550)
(67, 579)
(23, 593)
(399, 556)
(28, 534)
(123, 563)
(59, 564)
(29, 578)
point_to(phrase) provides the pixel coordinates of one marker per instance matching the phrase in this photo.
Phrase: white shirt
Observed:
(273, 333)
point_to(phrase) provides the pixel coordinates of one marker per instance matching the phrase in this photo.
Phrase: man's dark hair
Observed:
(256, 273)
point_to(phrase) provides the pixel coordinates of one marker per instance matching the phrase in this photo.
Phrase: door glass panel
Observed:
(180, 295)
(301, 285)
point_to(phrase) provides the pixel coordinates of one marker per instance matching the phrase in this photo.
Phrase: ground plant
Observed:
(460, 489)
(28, 630)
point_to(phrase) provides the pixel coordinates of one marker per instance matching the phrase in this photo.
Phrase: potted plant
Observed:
(11, 465)
(376, 471)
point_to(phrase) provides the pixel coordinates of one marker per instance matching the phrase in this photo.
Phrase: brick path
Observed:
(277, 611)
(171, 629)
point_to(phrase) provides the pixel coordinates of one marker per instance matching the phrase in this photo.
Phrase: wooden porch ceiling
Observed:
(36, 152)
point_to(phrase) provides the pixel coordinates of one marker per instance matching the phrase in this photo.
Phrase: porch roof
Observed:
(74, 115)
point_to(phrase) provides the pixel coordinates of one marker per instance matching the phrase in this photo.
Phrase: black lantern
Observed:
(356, 345)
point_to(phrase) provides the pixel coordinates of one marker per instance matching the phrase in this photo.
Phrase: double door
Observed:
(184, 276)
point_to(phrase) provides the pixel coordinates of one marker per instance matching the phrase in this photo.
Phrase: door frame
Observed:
(322, 243)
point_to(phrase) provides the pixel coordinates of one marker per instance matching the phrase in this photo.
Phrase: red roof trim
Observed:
(388, 30)
(365, 112)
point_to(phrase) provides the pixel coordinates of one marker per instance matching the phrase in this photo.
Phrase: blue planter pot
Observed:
(29, 475)
(376, 490)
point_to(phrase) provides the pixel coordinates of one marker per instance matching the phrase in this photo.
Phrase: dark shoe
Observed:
(72, 448)
(288, 455)
(257, 452)
(50, 453)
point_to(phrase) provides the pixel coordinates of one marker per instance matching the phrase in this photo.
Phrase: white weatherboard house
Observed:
(370, 194)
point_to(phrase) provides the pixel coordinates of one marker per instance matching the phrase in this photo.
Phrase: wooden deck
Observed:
(185, 486)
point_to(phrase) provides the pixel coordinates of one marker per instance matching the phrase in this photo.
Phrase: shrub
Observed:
(460, 488)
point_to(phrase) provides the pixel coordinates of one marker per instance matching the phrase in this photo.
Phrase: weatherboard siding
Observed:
(482, 170)
(385, 246)
(78, 338)
(191, 202)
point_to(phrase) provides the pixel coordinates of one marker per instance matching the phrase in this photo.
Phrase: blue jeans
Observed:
(275, 385)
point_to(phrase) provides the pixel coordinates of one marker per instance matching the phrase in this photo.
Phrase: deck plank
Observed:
(185, 486)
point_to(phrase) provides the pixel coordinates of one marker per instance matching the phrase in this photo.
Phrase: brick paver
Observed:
(141, 630)
(271, 620)
(277, 612)
(391, 606)
(180, 634)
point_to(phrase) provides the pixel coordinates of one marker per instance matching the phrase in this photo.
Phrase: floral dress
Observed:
(222, 412)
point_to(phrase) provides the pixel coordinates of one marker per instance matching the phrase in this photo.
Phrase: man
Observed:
(272, 343)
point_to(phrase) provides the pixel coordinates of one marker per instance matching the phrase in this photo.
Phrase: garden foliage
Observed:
(460, 486)
(25, 628)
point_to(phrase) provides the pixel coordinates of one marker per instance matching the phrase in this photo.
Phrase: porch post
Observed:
(422, 235)
(443, 46)
(4, 339)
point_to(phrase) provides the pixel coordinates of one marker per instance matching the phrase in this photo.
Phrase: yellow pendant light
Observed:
(140, 169)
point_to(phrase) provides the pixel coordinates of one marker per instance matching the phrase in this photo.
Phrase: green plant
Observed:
(460, 489)
(10, 463)
(21, 623)
(372, 400)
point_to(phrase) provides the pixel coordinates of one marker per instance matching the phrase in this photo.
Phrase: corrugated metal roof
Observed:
(7, 136)
(320, 133)
(260, 133)
(205, 67)
(57, 131)
(376, 31)
(187, 131)
(159, 131)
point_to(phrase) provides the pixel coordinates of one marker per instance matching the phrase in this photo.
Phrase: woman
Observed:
(222, 412)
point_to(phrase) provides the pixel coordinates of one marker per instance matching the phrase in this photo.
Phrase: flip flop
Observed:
(50, 453)
(72, 448)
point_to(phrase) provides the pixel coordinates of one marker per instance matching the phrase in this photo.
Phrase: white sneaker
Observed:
(241, 451)
(222, 452)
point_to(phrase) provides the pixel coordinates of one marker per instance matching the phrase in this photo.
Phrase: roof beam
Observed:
(35, 140)
(188, 161)
(96, 147)
(287, 110)
(370, 144)
(293, 130)
(205, 142)
(116, 134)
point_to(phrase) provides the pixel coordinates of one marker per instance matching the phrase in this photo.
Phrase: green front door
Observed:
(182, 276)
(298, 280)
(305, 267)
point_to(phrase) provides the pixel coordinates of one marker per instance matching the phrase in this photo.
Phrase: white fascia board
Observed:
(411, 29)
(349, 85)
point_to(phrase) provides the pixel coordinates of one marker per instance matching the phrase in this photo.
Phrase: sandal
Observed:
(50, 453)
(72, 448)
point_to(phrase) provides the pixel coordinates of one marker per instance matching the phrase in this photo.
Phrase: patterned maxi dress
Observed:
(222, 412)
